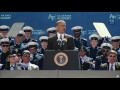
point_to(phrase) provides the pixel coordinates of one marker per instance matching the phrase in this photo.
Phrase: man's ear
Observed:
(57, 27)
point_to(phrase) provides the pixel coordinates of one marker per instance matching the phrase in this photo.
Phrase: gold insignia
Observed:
(61, 59)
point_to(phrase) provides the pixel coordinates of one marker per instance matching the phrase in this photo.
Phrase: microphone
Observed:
(59, 41)
(64, 41)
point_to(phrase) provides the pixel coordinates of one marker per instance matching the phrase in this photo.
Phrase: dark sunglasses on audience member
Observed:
(112, 56)
(26, 55)
(5, 45)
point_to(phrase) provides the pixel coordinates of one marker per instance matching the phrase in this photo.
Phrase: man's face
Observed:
(32, 50)
(61, 27)
(115, 44)
(18, 58)
(77, 34)
(28, 35)
(5, 47)
(26, 58)
(105, 51)
(4, 33)
(44, 44)
(112, 57)
(82, 53)
(94, 43)
(12, 59)
(19, 39)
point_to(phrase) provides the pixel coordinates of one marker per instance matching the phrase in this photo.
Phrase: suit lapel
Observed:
(65, 36)
(55, 44)
(107, 65)
(116, 66)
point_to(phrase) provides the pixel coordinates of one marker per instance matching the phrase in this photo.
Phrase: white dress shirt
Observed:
(12, 66)
(113, 66)
(58, 35)
(26, 65)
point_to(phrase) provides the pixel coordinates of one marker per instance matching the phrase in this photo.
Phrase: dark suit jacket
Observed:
(105, 66)
(53, 44)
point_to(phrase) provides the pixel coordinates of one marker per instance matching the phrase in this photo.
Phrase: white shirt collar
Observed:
(12, 65)
(58, 35)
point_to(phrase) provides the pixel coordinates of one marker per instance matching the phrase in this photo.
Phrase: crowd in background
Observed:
(23, 52)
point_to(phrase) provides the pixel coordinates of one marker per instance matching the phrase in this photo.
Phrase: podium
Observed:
(61, 60)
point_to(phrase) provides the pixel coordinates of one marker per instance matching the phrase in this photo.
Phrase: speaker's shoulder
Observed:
(68, 36)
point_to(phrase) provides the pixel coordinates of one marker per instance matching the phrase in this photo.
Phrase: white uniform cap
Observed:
(76, 28)
(27, 28)
(107, 44)
(43, 38)
(26, 51)
(115, 38)
(32, 44)
(4, 27)
(21, 33)
(94, 37)
(4, 40)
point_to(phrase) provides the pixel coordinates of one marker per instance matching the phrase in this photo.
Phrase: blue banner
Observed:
(40, 21)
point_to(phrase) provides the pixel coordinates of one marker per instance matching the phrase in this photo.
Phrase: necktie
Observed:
(111, 68)
(60, 36)
(12, 67)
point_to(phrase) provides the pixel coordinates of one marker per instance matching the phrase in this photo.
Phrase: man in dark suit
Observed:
(61, 41)
(112, 65)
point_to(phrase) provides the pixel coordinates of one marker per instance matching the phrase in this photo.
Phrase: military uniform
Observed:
(77, 40)
(21, 46)
(11, 40)
(25, 41)
(4, 55)
(93, 52)
(36, 57)
(4, 28)
(27, 29)
(43, 39)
